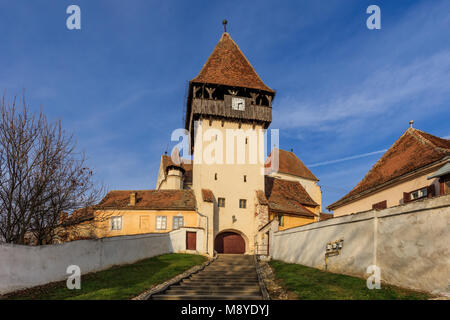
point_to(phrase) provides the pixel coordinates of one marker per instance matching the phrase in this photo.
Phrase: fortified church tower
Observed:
(228, 94)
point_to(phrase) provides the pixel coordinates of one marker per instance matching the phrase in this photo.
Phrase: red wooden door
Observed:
(191, 240)
(229, 242)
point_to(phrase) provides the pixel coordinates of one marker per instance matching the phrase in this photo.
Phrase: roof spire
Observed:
(411, 122)
(224, 22)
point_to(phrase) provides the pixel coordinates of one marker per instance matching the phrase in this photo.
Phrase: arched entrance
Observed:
(229, 242)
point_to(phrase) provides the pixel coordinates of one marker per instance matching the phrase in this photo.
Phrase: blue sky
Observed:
(119, 83)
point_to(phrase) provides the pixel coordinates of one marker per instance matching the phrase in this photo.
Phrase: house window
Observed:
(281, 221)
(221, 202)
(178, 222)
(245, 178)
(161, 223)
(116, 223)
(418, 194)
(380, 205)
(242, 203)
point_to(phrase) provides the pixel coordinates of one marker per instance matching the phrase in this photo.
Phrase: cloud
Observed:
(416, 85)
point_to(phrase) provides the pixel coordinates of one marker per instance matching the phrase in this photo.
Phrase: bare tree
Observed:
(41, 176)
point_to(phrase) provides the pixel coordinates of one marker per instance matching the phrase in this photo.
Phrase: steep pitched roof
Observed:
(412, 151)
(289, 163)
(227, 65)
(150, 199)
(288, 196)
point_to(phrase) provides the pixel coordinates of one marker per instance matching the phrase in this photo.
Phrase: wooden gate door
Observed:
(191, 240)
(229, 242)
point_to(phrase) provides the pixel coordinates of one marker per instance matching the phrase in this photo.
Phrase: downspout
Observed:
(207, 229)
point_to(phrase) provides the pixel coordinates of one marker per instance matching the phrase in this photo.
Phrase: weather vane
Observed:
(224, 22)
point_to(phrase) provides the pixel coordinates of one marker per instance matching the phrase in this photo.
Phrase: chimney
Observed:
(133, 199)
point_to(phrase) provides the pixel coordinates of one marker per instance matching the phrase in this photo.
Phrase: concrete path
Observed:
(229, 277)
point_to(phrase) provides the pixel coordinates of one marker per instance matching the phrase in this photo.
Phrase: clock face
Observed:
(238, 104)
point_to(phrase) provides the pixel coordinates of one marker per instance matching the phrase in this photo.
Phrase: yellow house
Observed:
(415, 167)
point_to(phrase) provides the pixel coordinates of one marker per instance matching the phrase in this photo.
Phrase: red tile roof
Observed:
(288, 197)
(325, 216)
(207, 195)
(150, 199)
(412, 151)
(261, 197)
(289, 163)
(227, 65)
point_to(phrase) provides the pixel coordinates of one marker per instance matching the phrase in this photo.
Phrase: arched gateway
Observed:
(229, 242)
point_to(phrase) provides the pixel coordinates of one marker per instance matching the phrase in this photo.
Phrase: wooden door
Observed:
(191, 240)
(229, 242)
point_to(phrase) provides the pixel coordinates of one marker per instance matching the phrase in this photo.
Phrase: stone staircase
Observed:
(229, 277)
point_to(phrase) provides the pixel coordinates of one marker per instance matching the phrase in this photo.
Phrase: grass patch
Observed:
(313, 284)
(118, 282)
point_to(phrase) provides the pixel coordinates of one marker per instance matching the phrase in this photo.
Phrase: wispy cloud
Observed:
(415, 85)
(346, 158)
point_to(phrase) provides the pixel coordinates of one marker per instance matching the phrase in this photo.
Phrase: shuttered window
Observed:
(242, 203)
(221, 202)
(380, 205)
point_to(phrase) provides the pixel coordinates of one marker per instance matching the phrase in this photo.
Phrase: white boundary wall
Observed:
(28, 266)
(410, 243)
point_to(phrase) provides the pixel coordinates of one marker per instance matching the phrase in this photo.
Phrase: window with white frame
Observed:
(421, 193)
(178, 222)
(116, 223)
(161, 223)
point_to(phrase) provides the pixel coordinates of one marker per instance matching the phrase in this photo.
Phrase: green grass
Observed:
(313, 284)
(119, 282)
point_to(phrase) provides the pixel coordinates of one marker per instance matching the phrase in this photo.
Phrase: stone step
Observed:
(206, 297)
(226, 275)
(196, 283)
(220, 291)
(225, 278)
(213, 287)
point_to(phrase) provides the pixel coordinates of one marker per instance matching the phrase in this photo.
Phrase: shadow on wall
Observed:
(28, 266)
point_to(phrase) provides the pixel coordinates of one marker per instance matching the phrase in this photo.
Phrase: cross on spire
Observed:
(224, 22)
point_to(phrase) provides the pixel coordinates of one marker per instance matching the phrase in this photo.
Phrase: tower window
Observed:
(215, 176)
(245, 178)
(221, 202)
(242, 203)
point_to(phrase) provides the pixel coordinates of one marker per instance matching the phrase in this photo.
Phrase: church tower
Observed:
(225, 99)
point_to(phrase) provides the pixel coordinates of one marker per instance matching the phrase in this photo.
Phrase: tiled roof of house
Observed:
(184, 164)
(207, 195)
(261, 197)
(227, 65)
(288, 196)
(289, 163)
(150, 199)
(412, 151)
(325, 216)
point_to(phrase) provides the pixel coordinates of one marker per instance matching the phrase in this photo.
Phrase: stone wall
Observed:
(28, 266)
(410, 243)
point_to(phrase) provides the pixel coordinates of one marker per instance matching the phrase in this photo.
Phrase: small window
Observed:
(421, 193)
(215, 176)
(380, 205)
(178, 222)
(242, 203)
(281, 221)
(245, 178)
(161, 223)
(221, 202)
(116, 223)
